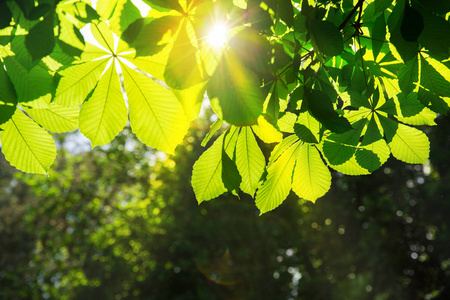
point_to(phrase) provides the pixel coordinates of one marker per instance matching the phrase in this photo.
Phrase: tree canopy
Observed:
(298, 87)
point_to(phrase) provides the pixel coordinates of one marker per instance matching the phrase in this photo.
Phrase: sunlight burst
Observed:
(218, 35)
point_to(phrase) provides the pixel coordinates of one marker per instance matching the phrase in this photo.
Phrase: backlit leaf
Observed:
(278, 181)
(312, 178)
(27, 146)
(250, 161)
(207, 173)
(104, 114)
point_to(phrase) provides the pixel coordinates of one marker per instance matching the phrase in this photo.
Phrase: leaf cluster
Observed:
(326, 84)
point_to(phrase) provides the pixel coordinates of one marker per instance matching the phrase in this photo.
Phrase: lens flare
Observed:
(218, 35)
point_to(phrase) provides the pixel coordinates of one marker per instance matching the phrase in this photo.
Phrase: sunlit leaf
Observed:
(311, 179)
(407, 144)
(266, 132)
(104, 114)
(207, 173)
(77, 82)
(278, 182)
(239, 101)
(250, 161)
(156, 116)
(53, 117)
(27, 146)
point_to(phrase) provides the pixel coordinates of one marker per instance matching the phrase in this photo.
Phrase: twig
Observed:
(350, 15)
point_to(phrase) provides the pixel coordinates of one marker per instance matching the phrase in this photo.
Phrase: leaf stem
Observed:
(350, 15)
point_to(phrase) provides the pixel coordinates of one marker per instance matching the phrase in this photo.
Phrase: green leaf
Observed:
(407, 144)
(278, 182)
(322, 109)
(29, 85)
(287, 122)
(272, 105)
(378, 31)
(212, 129)
(373, 156)
(40, 41)
(405, 49)
(412, 23)
(182, 68)
(266, 132)
(410, 105)
(8, 98)
(77, 82)
(312, 178)
(408, 76)
(27, 146)
(53, 117)
(240, 101)
(433, 76)
(436, 35)
(5, 15)
(105, 8)
(250, 161)
(281, 147)
(339, 148)
(307, 128)
(425, 117)
(156, 116)
(230, 174)
(326, 37)
(372, 133)
(207, 173)
(104, 114)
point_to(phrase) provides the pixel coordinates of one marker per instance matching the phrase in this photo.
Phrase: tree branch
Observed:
(350, 15)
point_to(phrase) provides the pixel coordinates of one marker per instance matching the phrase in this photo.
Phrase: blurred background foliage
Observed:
(122, 222)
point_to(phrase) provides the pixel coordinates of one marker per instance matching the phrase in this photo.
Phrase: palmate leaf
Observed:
(235, 93)
(278, 182)
(104, 115)
(373, 156)
(53, 117)
(312, 178)
(40, 40)
(266, 132)
(250, 161)
(407, 144)
(156, 116)
(77, 82)
(27, 146)
(326, 37)
(29, 85)
(207, 173)
(338, 148)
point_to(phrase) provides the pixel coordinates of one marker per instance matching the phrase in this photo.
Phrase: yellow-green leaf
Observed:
(279, 180)
(156, 116)
(104, 115)
(312, 178)
(77, 82)
(26, 145)
(207, 173)
(250, 161)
